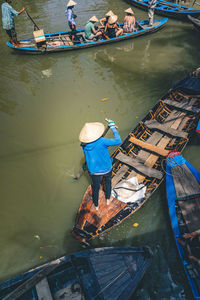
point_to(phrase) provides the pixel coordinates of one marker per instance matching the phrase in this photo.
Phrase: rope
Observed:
(172, 160)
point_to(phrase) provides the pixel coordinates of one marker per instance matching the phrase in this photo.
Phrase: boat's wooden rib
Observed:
(141, 155)
(183, 194)
(62, 41)
(152, 124)
(101, 273)
(168, 9)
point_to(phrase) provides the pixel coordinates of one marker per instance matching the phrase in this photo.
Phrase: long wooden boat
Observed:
(195, 22)
(61, 41)
(183, 193)
(168, 126)
(101, 273)
(168, 9)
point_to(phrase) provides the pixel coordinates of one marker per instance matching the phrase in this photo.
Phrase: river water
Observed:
(44, 102)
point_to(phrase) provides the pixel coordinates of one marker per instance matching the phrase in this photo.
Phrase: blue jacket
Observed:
(97, 156)
(8, 14)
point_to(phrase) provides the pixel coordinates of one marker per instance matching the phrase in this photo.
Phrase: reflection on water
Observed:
(44, 102)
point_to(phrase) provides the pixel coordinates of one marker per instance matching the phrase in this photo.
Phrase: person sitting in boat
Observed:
(8, 14)
(91, 32)
(129, 21)
(104, 21)
(71, 17)
(191, 243)
(151, 7)
(99, 162)
(112, 30)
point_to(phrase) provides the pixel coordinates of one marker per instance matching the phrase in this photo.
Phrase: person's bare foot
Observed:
(108, 201)
(96, 207)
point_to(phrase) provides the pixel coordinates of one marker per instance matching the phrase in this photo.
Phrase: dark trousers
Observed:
(96, 181)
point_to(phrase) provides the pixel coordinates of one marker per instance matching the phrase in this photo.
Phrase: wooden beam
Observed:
(149, 147)
(153, 124)
(183, 105)
(43, 290)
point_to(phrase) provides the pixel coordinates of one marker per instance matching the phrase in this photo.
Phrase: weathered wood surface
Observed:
(43, 290)
(140, 167)
(183, 105)
(31, 282)
(153, 124)
(149, 147)
(191, 211)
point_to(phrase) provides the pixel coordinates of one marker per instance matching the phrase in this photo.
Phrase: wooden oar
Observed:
(35, 25)
(84, 166)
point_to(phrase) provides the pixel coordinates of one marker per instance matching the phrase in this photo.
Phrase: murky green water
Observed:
(44, 102)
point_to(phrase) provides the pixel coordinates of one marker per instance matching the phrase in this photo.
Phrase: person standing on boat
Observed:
(71, 17)
(90, 31)
(8, 14)
(99, 162)
(151, 7)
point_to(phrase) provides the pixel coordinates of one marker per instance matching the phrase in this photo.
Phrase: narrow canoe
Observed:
(168, 9)
(61, 41)
(101, 273)
(168, 126)
(195, 22)
(183, 193)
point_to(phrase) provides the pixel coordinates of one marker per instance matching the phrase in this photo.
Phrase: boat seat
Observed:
(153, 124)
(43, 290)
(139, 166)
(183, 105)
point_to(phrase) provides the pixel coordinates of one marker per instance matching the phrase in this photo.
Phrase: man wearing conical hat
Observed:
(71, 17)
(104, 20)
(129, 21)
(99, 162)
(91, 32)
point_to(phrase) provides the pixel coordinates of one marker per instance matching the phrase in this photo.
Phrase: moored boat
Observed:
(195, 22)
(183, 194)
(137, 163)
(101, 273)
(168, 9)
(61, 41)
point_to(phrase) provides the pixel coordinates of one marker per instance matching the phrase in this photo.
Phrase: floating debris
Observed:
(36, 236)
(104, 99)
(47, 72)
(135, 225)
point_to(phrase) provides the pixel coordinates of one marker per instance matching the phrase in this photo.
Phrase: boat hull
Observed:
(68, 45)
(195, 22)
(102, 273)
(168, 9)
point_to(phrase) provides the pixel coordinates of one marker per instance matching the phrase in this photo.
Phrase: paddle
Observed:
(84, 166)
(35, 25)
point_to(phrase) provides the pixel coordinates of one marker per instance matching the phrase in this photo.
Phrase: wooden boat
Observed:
(101, 273)
(168, 126)
(195, 22)
(61, 41)
(198, 128)
(183, 193)
(168, 9)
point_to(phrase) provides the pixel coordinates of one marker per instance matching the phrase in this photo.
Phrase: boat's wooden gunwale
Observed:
(178, 122)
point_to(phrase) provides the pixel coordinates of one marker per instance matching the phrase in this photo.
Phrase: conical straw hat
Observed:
(71, 3)
(109, 13)
(112, 19)
(91, 132)
(94, 19)
(130, 11)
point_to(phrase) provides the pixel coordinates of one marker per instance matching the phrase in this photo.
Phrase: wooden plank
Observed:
(140, 167)
(43, 290)
(153, 124)
(183, 105)
(191, 211)
(66, 36)
(149, 147)
(31, 282)
(122, 171)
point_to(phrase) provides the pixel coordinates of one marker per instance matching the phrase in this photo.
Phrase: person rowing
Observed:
(112, 30)
(104, 21)
(91, 32)
(98, 160)
(8, 14)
